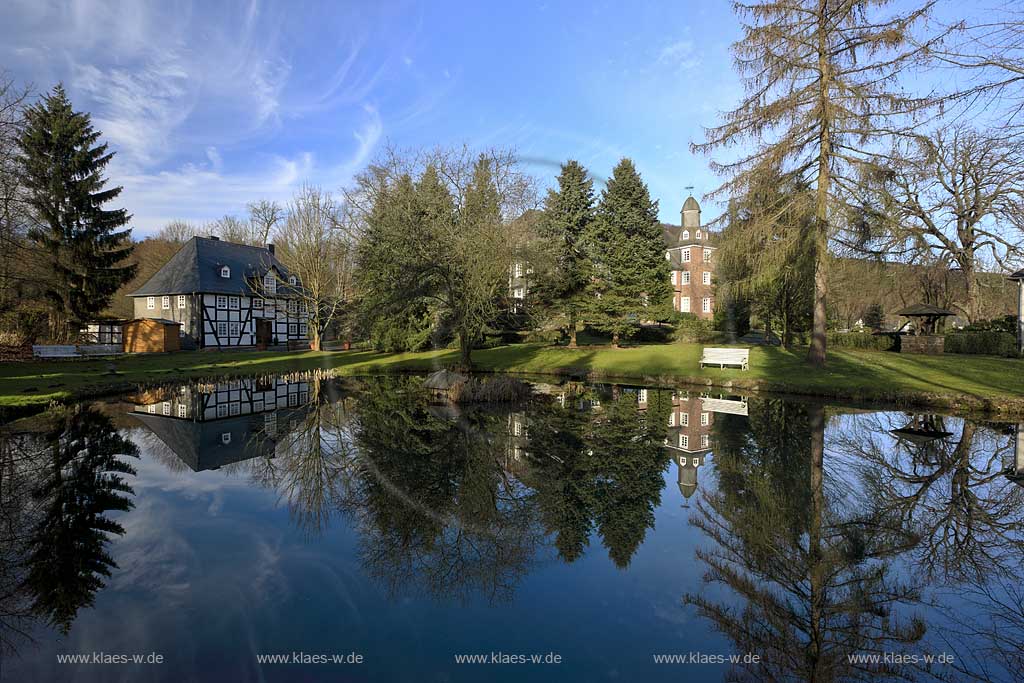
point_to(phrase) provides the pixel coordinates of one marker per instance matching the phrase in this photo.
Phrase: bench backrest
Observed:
(54, 350)
(726, 355)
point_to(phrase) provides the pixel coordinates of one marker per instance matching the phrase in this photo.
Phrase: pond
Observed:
(326, 529)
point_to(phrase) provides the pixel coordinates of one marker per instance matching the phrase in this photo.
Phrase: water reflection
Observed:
(825, 533)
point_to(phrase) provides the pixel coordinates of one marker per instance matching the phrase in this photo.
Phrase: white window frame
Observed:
(222, 410)
(674, 277)
(705, 441)
(225, 272)
(684, 441)
(672, 419)
(292, 280)
(706, 277)
(705, 419)
(686, 256)
(293, 329)
(705, 304)
(684, 304)
(707, 256)
(182, 299)
(222, 328)
(684, 419)
(222, 302)
(303, 329)
(234, 329)
(225, 438)
(270, 282)
(686, 234)
(182, 410)
(686, 277)
(150, 302)
(233, 303)
(165, 302)
(257, 303)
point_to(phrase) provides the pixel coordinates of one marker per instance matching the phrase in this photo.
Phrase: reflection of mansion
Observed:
(211, 425)
(1015, 466)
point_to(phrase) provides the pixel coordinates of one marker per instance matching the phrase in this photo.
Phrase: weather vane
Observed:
(689, 187)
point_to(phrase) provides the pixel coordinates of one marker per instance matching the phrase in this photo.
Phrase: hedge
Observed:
(861, 340)
(991, 343)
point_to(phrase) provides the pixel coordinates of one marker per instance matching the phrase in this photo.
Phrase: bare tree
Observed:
(320, 254)
(264, 217)
(233, 229)
(12, 218)
(821, 89)
(178, 232)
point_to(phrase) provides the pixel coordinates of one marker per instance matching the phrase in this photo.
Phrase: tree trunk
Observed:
(767, 329)
(972, 292)
(316, 342)
(816, 355)
(572, 329)
(465, 349)
(615, 339)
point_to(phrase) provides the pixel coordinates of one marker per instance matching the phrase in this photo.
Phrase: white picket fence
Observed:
(75, 350)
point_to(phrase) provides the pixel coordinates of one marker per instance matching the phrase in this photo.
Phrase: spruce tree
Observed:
(630, 282)
(62, 164)
(568, 214)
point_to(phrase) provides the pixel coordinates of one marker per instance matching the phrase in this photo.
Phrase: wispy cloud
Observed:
(681, 55)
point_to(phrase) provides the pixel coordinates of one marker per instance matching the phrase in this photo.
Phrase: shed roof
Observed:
(196, 268)
(919, 310)
(162, 321)
(1019, 275)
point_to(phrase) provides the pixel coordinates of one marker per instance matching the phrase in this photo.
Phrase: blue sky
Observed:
(213, 104)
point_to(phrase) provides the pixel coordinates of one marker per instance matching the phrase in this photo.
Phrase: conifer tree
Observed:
(630, 282)
(62, 166)
(568, 215)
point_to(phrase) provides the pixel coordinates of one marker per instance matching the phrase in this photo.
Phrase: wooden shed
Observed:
(152, 335)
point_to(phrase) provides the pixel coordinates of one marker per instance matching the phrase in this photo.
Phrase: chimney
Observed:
(215, 238)
(270, 248)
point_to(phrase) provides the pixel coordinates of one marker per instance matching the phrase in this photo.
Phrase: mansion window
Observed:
(225, 272)
(686, 277)
(270, 283)
(706, 278)
(686, 255)
(165, 302)
(181, 301)
(233, 302)
(686, 234)
(684, 419)
(698, 234)
(641, 396)
(705, 419)
(706, 304)
(518, 293)
(684, 304)
(151, 302)
(222, 329)
(674, 277)
(517, 270)
(684, 441)
(222, 302)
(707, 256)
(672, 419)
(704, 441)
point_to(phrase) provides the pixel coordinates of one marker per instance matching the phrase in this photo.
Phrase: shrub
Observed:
(1007, 324)
(544, 336)
(654, 334)
(690, 328)
(990, 343)
(861, 340)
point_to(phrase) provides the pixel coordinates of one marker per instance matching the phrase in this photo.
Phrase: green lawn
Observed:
(976, 382)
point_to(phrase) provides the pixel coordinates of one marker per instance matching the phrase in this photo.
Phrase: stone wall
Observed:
(926, 343)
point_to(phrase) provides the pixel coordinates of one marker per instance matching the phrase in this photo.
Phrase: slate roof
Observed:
(673, 237)
(924, 310)
(1019, 275)
(196, 268)
(691, 204)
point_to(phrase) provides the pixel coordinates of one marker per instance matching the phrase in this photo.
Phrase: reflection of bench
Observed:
(55, 351)
(723, 357)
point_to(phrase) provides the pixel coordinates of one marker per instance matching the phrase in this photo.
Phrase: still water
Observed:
(361, 531)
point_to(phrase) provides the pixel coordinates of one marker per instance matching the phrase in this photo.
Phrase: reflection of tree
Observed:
(814, 582)
(950, 492)
(625, 448)
(80, 481)
(437, 511)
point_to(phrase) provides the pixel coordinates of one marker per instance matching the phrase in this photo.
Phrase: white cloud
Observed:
(681, 55)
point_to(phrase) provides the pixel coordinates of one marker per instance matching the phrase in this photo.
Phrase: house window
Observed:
(270, 283)
(182, 410)
(235, 408)
(672, 419)
(674, 274)
(222, 329)
(686, 234)
(686, 277)
(707, 256)
(704, 419)
(704, 441)
(233, 329)
(222, 302)
(517, 270)
(293, 329)
(151, 302)
(225, 272)
(165, 302)
(222, 410)
(166, 408)
(181, 301)
(225, 438)
(705, 304)
(684, 441)
(684, 304)
(686, 255)
(518, 293)
(292, 307)
(151, 408)
(233, 303)
(257, 304)
(706, 277)
(684, 419)
(293, 399)
(292, 280)
(303, 330)
(302, 307)
(698, 234)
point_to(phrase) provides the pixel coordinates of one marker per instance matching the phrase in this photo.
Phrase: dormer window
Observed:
(686, 234)
(698, 234)
(225, 272)
(292, 280)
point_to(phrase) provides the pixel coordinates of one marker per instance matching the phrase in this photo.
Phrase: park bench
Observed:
(723, 357)
(55, 351)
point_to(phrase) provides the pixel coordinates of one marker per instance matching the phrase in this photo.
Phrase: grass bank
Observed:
(977, 383)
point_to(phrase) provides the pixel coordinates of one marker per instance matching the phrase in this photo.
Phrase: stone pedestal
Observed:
(925, 343)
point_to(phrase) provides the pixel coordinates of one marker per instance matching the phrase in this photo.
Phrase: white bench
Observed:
(55, 351)
(723, 357)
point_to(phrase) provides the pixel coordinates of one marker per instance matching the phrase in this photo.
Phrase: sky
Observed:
(210, 105)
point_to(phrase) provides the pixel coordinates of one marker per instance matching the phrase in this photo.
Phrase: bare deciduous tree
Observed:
(264, 218)
(178, 232)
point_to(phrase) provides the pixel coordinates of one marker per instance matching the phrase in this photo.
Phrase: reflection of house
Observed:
(688, 438)
(209, 426)
(1015, 468)
(517, 448)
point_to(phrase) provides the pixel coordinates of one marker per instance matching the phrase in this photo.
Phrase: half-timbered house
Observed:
(225, 296)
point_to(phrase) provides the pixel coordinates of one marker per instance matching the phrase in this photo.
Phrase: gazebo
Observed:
(1019, 278)
(926, 317)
